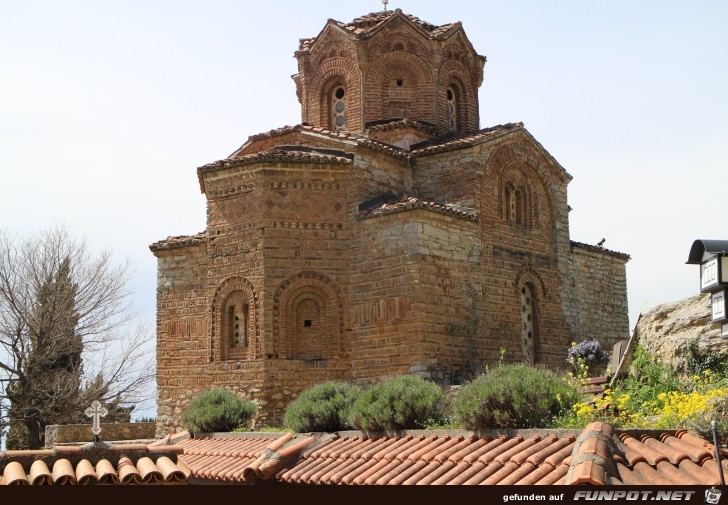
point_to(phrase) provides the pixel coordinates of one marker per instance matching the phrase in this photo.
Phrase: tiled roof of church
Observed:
(459, 141)
(396, 124)
(447, 142)
(598, 455)
(294, 154)
(364, 26)
(96, 463)
(599, 249)
(404, 202)
(179, 241)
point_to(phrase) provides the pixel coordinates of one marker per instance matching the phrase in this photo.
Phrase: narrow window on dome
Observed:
(338, 109)
(452, 107)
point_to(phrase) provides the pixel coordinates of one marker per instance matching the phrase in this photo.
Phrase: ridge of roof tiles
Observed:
(436, 145)
(95, 463)
(599, 249)
(599, 456)
(278, 155)
(179, 241)
(364, 26)
(405, 203)
(397, 124)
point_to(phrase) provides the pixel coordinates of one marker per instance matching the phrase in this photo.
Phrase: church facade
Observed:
(385, 234)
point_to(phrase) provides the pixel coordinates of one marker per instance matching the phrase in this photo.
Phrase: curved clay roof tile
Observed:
(63, 472)
(40, 474)
(85, 473)
(14, 474)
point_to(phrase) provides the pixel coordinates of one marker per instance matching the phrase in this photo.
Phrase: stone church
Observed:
(385, 234)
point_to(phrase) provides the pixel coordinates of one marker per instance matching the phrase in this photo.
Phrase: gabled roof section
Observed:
(451, 142)
(392, 204)
(179, 242)
(279, 154)
(366, 26)
(597, 455)
(399, 123)
(346, 138)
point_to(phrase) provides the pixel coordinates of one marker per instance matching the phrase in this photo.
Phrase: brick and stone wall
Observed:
(600, 293)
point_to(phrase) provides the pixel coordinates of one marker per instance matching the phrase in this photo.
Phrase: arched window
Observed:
(530, 343)
(515, 204)
(452, 109)
(338, 108)
(235, 322)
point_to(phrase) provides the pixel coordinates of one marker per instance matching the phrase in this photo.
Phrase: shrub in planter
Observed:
(404, 402)
(217, 410)
(514, 396)
(323, 407)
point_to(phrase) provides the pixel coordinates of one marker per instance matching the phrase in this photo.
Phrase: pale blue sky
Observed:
(107, 108)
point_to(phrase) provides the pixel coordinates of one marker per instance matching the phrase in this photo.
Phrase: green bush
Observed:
(324, 407)
(217, 410)
(400, 403)
(513, 396)
(697, 361)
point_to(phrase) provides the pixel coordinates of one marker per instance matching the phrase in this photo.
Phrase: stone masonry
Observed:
(384, 235)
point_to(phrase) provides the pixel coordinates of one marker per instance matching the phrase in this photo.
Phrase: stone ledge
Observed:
(56, 434)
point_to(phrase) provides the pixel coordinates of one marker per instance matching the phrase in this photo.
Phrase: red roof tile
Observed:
(599, 455)
(97, 463)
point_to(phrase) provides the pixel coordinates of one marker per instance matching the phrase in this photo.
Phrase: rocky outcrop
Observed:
(666, 329)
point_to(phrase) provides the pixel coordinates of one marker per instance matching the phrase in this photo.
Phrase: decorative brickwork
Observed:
(308, 315)
(399, 246)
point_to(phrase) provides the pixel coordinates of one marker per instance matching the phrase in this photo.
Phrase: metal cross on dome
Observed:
(96, 411)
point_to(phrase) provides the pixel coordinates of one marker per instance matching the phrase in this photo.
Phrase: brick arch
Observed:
(418, 91)
(520, 165)
(310, 287)
(218, 346)
(333, 72)
(399, 41)
(454, 74)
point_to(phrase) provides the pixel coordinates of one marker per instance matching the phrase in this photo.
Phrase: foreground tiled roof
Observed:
(97, 463)
(598, 455)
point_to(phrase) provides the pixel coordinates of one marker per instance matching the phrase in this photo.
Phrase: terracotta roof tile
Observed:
(483, 474)
(367, 476)
(98, 462)
(485, 449)
(475, 445)
(555, 477)
(466, 471)
(551, 448)
(538, 473)
(496, 451)
(598, 456)
(411, 470)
